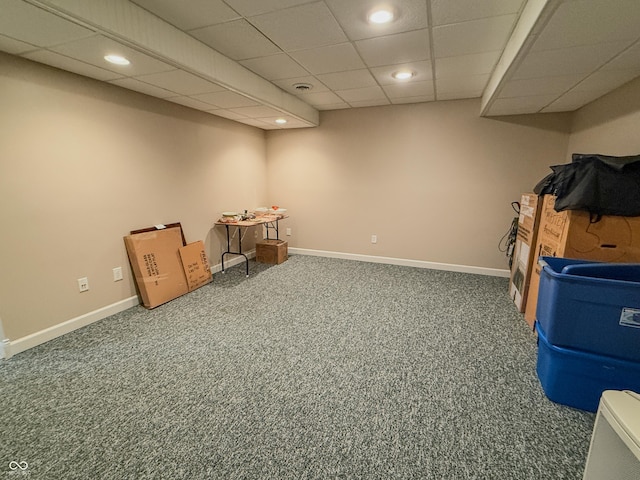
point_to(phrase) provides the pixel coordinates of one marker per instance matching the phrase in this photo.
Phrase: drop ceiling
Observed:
(242, 59)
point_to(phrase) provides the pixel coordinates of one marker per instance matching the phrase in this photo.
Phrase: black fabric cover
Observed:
(599, 184)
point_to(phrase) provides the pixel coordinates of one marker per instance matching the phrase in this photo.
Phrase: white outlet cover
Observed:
(117, 274)
(83, 284)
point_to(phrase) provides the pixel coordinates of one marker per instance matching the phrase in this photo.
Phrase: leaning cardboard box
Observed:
(156, 265)
(195, 264)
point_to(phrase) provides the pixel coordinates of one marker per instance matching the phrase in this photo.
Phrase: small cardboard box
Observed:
(195, 264)
(156, 265)
(522, 264)
(271, 251)
(576, 234)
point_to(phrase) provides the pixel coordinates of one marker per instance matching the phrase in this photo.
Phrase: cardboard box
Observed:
(195, 264)
(156, 265)
(522, 265)
(576, 234)
(271, 251)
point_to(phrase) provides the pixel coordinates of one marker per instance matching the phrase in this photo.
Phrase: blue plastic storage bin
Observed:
(577, 379)
(591, 306)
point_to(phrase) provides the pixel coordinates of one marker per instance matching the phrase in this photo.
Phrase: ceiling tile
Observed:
(237, 39)
(181, 82)
(604, 81)
(599, 21)
(566, 61)
(22, 21)
(458, 95)
(306, 26)
(469, 85)
(15, 47)
(409, 89)
(275, 67)
(191, 102)
(198, 13)
(476, 36)
(334, 106)
(361, 94)
(422, 72)
(419, 99)
(516, 106)
(539, 86)
(334, 58)
(473, 64)
(138, 86)
(369, 103)
(227, 114)
(226, 99)
(71, 65)
(352, 15)
(249, 8)
(444, 12)
(393, 49)
(629, 59)
(258, 111)
(256, 123)
(347, 80)
(288, 85)
(92, 50)
(571, 101)
(321, 98)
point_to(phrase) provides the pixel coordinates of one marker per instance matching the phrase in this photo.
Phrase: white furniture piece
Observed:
(614, 452)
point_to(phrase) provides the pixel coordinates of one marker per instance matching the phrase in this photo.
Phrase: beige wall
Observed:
(610, 125)
(433, 181)
(83, 163)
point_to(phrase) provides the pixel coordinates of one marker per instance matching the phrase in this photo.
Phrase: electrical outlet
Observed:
(117, 274)
(288, 232)
(83, 284)
(374, 239)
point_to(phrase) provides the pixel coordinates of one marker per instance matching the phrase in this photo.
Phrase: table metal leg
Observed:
(239, 252)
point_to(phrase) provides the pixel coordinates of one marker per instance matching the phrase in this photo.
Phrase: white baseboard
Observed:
(14, 347)
(494, 272)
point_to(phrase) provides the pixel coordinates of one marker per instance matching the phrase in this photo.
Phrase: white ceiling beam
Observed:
(133, 26)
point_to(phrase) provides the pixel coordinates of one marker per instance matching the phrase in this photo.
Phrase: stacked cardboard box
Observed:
(578, 234)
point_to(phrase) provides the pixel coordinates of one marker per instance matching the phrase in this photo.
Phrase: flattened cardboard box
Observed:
(195, 265)
(530, 207)
(156, 264)
(575, 234)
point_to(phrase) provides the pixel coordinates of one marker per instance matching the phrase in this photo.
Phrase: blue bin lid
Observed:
(571, 267)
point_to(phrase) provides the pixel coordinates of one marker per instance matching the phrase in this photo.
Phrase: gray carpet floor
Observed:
(315, 368)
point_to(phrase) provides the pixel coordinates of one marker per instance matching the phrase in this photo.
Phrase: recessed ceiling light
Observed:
(117, 59)
(403, 75)
(380, 15)
(281, 121)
